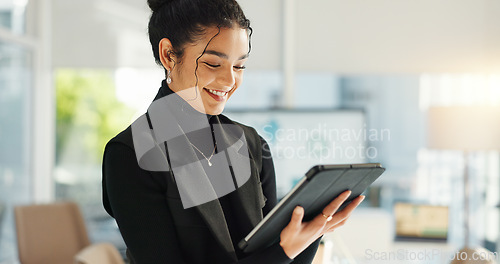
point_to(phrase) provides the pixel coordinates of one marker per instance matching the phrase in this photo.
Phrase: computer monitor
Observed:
(421, 221)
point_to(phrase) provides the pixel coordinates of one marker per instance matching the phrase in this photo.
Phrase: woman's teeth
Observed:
(218, 93)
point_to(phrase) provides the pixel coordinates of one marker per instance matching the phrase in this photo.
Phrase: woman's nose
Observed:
(227, 78)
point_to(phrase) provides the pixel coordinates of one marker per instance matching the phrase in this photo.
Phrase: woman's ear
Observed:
(166, 54)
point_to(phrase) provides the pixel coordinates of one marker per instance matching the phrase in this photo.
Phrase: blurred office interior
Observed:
(328, 81)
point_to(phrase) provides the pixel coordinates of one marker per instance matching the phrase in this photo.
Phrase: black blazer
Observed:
(157, 228)
(250, 197)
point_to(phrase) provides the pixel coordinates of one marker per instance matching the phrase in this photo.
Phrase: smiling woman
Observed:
(184, 182)
(222, 53)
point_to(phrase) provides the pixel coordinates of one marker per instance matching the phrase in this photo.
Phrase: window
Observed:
(16, 73)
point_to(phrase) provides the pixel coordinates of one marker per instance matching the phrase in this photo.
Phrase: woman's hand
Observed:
(298, 235)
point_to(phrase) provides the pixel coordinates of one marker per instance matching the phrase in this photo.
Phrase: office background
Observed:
(74, 73)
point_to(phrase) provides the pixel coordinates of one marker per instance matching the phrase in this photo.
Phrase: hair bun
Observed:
(155, 5)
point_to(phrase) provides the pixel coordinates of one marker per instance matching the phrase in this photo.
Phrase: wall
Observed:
(356, 36)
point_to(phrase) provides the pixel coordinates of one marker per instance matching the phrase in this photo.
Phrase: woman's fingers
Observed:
(340, 217)
(298, 235)
(332, 228)
(350, 207)
(297, 215)
(332, 207)
(293, 238)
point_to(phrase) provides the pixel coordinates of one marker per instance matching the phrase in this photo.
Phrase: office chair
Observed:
(99, 253)
(56, 234)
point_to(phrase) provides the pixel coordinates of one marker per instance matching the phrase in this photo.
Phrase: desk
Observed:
(399, 253)
(368, 238)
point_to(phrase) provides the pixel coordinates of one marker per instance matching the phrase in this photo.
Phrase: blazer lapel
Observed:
(249, 194)
(212, 213)
(191, 181)
(249, 198)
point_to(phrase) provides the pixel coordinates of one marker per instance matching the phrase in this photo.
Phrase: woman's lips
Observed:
(217, 95)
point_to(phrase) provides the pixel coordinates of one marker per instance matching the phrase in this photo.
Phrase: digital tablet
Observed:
(320, 185)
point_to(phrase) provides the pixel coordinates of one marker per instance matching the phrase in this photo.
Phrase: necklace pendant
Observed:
(209, 163)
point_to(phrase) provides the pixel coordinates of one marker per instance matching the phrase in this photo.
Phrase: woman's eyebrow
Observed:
(224, 55)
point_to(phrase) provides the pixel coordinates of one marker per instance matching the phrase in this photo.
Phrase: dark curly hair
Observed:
(185, 21)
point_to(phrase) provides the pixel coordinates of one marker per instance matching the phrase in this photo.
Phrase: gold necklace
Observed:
(208, 159)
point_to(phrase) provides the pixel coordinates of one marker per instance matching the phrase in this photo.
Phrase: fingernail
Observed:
(362, 198)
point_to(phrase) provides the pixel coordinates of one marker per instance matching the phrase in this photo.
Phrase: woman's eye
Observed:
(240, 67)
(211, 65)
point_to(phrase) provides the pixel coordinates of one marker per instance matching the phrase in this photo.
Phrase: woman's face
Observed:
(219, 69)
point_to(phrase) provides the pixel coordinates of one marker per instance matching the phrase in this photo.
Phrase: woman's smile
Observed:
(218, 95)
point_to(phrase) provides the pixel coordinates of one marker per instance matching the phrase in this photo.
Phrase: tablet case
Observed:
(320, 185)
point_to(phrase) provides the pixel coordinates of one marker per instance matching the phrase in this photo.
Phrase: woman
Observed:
(185, 183)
